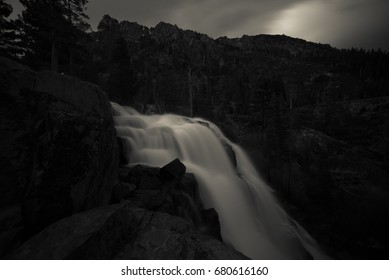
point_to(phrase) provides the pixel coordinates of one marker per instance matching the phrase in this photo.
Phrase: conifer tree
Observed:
(8, 38)
(51, 30)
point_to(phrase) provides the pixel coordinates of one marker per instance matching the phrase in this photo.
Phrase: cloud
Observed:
(344, 24)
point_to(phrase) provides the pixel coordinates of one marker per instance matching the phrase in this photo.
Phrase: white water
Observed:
(251, 219)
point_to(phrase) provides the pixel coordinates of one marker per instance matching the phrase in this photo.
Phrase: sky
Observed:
(341, 23)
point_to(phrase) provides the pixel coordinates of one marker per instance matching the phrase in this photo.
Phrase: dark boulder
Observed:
(172, 171)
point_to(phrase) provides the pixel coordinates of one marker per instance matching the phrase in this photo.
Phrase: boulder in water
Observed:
(172, 171)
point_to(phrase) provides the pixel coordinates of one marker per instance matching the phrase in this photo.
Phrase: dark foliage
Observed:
(51, 32)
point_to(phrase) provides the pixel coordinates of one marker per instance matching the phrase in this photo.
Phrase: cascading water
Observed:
(251, 220)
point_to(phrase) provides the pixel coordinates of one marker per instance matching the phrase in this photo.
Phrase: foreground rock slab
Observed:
(123, 231)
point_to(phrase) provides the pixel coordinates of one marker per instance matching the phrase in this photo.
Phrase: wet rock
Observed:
(178, 196)
(188, 185)
(172, 171)
(210, 223)
(123, 153)
(230, 152)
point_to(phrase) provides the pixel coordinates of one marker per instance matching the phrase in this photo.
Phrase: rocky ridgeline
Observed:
(64, 195)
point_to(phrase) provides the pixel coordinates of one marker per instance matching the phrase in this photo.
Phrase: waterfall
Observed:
(251, 220)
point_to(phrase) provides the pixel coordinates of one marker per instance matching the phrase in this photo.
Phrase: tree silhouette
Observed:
(8, 37)
(51, 31)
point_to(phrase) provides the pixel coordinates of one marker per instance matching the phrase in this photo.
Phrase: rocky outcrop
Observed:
(162, 236)
(172, 171)
(170, 190)
(59, 153)
(122, 231)
(139, 226)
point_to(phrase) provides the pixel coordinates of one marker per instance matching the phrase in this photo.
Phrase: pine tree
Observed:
(8, 38)
(77, 26)
(51, 30)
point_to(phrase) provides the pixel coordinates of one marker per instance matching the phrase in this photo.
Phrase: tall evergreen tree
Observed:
(8, 40)
(51, 30)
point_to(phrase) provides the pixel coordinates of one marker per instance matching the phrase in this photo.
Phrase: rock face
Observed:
(59, 154)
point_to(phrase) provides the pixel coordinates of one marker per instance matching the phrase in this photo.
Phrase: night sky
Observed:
(341, 23)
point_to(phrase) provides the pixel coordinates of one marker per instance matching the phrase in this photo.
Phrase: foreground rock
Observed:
(123, 231)
(59, 153)
(168, 189)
